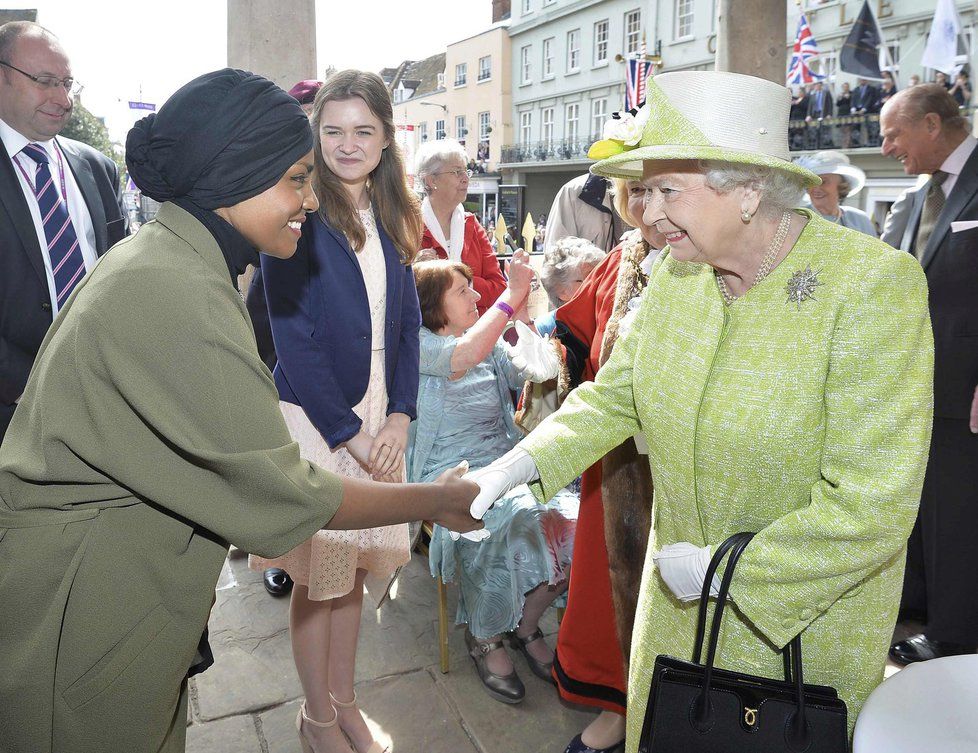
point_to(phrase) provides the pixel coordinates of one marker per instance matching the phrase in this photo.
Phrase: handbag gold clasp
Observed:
(750, 716)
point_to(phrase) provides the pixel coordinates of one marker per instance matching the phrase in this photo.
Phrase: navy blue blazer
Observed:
(320, 317)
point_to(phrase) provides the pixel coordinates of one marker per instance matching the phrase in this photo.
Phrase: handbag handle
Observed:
(797, 731)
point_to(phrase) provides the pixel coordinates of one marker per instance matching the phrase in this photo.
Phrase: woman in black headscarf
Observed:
(149, 437)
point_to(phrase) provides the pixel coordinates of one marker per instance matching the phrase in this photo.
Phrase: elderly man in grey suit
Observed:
(938, 223)
(60, 200)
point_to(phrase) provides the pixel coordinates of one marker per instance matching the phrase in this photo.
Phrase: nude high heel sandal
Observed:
(375, 746)
(301, 718)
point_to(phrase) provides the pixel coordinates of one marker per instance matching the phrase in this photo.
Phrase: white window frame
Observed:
(685, 17)
(484, 118)
(547, 126)
(525, 71)
(439, 130)
(599, 114)
(526, 126)
(572, 121)
(440, 80)
(526, 7)
(485, 71)
(547, 47)
(632, 25)
(423, 131)
(601, 34)
(459, 127)
(461, 74)
(573, 50)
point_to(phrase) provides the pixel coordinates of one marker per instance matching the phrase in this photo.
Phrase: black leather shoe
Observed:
(577, 745)
(921, 648)
(277, 581)
(506, 688)
(541, 669)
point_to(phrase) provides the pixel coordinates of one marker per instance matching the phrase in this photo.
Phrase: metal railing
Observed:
(557, 150)
(849, 132)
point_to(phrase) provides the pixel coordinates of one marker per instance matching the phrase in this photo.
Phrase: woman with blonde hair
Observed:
(345, 319)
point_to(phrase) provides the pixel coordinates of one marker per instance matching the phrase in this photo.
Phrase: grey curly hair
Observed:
(563, 260)
(432, 156)
(779, 189)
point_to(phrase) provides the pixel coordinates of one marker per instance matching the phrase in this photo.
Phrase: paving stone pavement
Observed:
(247, 702)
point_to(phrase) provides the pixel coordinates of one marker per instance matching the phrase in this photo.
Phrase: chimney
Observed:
(500, 10)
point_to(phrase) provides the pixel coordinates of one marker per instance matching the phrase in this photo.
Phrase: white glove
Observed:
(533, 355)
(683, 567)
(496, 480)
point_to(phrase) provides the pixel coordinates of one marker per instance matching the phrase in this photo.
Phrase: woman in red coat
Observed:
(449, 231)
(592, 645)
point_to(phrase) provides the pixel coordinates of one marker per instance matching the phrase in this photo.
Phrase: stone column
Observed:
(274, 39)
(751, 38)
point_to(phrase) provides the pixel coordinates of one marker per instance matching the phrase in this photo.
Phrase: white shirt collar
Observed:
(15, 141)
(956, 160)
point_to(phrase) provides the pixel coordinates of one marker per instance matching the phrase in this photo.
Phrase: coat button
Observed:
(46, 306)
(806, 615)
(787, 624)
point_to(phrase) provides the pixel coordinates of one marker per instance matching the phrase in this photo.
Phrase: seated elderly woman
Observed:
(449, 231)
(565, 265)
(465, 411)
(840, 180)
(780, 370)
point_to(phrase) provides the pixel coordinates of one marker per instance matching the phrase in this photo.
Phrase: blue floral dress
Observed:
(471, 419)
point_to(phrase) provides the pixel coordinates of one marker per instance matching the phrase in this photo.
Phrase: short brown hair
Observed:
(433, 279)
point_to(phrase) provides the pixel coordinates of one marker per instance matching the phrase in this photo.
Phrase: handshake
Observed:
(496, 480)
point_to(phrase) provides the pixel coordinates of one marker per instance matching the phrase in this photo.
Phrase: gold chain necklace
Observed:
(767, 263)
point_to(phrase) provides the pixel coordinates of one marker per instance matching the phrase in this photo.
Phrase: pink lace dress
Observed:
(327, 562)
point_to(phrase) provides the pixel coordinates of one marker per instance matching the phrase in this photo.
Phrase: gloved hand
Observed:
(496, 480)
(533, 355)
(683, 567)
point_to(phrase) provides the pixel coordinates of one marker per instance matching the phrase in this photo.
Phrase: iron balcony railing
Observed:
(556, 150)
(849, 132)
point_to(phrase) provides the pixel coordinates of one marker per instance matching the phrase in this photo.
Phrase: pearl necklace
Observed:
(767, 263)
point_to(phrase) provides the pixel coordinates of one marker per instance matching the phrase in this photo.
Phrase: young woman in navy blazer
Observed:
(345, 320)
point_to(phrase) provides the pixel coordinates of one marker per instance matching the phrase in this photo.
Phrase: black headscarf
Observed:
(222, 138)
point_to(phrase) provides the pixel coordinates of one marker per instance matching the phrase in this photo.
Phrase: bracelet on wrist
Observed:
(505, 308)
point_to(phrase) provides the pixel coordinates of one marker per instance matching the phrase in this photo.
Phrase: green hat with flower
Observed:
(708, 115)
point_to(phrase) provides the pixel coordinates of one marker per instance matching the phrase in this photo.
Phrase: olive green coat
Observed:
(149, 437)
(807, 422)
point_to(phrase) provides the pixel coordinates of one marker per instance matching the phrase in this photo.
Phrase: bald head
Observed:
(921, 126)
(37, 109)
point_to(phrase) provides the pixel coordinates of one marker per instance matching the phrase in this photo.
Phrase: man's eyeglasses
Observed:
(49, 82)
(458, 172)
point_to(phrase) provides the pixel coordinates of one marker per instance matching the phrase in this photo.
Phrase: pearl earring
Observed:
(745, 216)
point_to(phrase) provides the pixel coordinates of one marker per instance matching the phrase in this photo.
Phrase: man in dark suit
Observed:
(866, 101)
(60, 200)
(820, 106)
(938, 223)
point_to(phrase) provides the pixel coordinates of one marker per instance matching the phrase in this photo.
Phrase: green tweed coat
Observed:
(807, 422)
(148, 438)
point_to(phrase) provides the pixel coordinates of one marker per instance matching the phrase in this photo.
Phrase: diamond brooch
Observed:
(802, 285)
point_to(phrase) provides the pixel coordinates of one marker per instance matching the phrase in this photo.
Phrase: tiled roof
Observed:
(421, 75)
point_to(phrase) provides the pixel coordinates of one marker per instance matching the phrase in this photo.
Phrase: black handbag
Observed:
(697, 708)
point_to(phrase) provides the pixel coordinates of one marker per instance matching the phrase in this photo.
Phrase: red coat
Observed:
(477, 254)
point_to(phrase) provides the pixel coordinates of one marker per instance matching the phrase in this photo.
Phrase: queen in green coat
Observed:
(780, 370)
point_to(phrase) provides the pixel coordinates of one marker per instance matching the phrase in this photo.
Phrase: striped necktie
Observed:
(67, 261)
(933, 204)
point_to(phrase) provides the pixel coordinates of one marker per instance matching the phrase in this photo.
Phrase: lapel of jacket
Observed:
(964, 191)
(342, 242)
(392, 262)
(12, 199)
(82, 171)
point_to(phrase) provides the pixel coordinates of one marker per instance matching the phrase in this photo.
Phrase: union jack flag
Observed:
(636, 76)
(804, 49)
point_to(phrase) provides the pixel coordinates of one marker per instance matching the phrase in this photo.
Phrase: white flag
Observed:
(942, 43)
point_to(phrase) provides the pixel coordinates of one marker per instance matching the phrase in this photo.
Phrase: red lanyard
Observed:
(33, 184)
